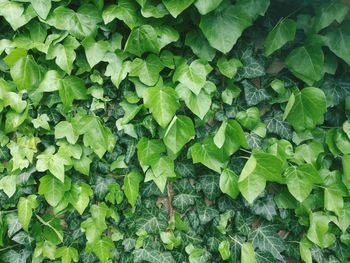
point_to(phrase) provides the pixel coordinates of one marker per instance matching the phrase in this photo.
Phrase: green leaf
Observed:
(224, 26)
(306, 63)
(149, 151)
(26, 73)
(152, 256)
(64, 54)
(327, 12)
(179, 132)
(224, 249)
(300, 180)
(247, 252)
(53, 189)
(206, 6)
(125, 11)
(95, 51)
(198, 104)
(161, 170)
(319, 229)
(260, 167)
(305, 109)
(15, 14)
(230, 136)
(96, 135)
(80, 24)
(41, 7)
(266, 238)
(200, 45)
(193, 76)
(8, 185)
(67, 254)
(102, 248)
(229, 183)
(131, 186)
(209, 154)
(68, 130)
(228, 68)
(147, 70)
(163, 104)
(283, 32)
(81, 203)
(25, 208)
(337, 40)
(253, 94)
(176, 7)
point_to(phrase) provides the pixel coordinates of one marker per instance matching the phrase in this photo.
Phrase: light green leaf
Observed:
(142, 39)
(26, 73)
(161, 170)
(102, 248)
(224, 249)
(224, 26)
(83, 199)
(163, 104)
(67, 254)
(41, 7)
(200, 45)
(131, 186)
(229, 67)
(149, 151)
(193, 76)
(306, 63)
(209, 154)
(337, 40)
(247, 253)
(305, 109)
(176, 7)
(260, 167)
(300, 180)
(8, 185)
(283, 32)
(179, 132)
(68, 130)
(147, 70)
(80, 24)
(95, 51)
(318, 231)
(206, 6)
(53, 189)
(15, 14)
(25, 208)
(229, 183)
(96, 135)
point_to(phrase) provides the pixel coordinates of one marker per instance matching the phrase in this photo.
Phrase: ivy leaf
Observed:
(335, 90)
(305, 109)
(265, 238)
(149, 151)
(41, 7)
(229, 183)
(53, 189)
(163, 104)
(230, 136)
(326, 13)
(176, 7)
(142, 39)
(68, 130)
(275, 124)
(80, 204)
(206, 6)
(198, 104)
(67, 254)
(95, 51)
(80, 24)
(97, 136)
(265, 207)
(224, 26)
(25, 208)
(26, 73)
(152, 256)
(337, 41)
(64, 54)
(193, 76)
(300, 180)
(179, 132)
(319, 229)
(102, 248)
(209, 154)
(206, 213)
(147, 70)
(306, 63)
(125, 11)
(283, 32)
(8, 185)
(15, 14)
(247, 252)
(254, 95)
(258, 169)
(131, 186)
(229, 68)
(161, 170)
(199, 45)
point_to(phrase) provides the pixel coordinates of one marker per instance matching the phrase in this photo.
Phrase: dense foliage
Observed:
(174, 131)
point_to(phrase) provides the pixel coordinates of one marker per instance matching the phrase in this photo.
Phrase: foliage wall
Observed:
(174, 131)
